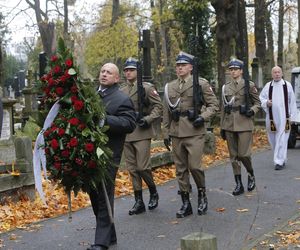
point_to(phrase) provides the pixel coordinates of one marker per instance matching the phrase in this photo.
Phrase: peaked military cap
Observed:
(131, 63)
(184, 58)
(235, 63)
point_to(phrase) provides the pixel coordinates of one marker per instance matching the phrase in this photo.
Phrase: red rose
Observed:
(74, 121)
(81, 126)
(63, 78)
(54, 58)
(91, 164)
(47, 133)
(69, 63)
(47, 151)
(51, 82)
(67, 74)
(89, 147)
(54, 144)
(79, 161)
(56, 158)
(61, 131)
(65, 153)
(74, 98)
(47, 91)
(78, 105)
(44, 78)
(74, 89)
(57, 69)
(73, 142)
(59, 91)
(57, 165)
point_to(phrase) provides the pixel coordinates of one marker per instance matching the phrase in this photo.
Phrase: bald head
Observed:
(276, 73)
(109, 75)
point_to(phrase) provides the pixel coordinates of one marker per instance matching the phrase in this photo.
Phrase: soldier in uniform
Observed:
(237, 123)
(137, 144)
(186, 130)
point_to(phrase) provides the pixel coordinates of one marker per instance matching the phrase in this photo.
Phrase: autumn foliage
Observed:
(24, 212)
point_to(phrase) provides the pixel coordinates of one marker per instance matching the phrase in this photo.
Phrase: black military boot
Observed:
(186, 208)
(239, 188)
(251, 182)
(153, 202)
(202, 201)
(139, 206)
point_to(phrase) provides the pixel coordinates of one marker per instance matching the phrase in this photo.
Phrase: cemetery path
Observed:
(237, 222)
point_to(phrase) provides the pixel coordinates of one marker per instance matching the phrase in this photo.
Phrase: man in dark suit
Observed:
(120, 117)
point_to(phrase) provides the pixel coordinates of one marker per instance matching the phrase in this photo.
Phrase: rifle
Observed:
(197, 92)
(246, 108)
(140, 90)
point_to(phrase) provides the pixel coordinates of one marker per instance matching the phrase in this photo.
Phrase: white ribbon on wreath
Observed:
(39, 158)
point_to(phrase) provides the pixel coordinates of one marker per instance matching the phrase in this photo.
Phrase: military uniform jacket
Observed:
(152, 110)
(235, 121)
(184, 127)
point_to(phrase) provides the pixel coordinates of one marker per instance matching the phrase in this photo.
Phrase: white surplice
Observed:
(279, 138)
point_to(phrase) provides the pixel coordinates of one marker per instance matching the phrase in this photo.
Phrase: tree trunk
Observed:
(260, 35)
(280, 33)
(115, 11)
(46, 28)
(270, 50)
(226, 32)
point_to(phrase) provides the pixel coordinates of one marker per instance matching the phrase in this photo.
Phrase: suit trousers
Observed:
(187, 154)
(105, 230)
(137, 157)
(239, 147)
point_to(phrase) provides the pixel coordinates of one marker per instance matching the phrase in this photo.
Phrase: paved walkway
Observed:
(245, 218)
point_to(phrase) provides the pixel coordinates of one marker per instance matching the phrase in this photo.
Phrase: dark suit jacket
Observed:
(120, 117)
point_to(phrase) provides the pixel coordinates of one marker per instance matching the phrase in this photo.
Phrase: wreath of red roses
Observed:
(75, 145)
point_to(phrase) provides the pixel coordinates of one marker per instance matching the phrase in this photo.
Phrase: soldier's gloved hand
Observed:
(142, 123)
(198, 122)
(167, 143)
(222, 134)
(250, 113)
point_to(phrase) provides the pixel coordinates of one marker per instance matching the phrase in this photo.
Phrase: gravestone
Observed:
(7, 150)
(18, 180)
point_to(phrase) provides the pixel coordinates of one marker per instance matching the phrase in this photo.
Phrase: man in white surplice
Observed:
(278, 101)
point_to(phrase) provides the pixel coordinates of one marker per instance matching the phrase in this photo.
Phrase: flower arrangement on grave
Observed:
(72, 142)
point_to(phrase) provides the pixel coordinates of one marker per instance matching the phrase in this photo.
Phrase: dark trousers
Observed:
(105, 230)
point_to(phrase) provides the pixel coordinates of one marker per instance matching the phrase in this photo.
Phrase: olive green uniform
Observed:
(187, 141)
(137, 144)
(238, 127)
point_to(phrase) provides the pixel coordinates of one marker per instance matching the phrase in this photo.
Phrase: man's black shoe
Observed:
(278, 167)
(97, 247)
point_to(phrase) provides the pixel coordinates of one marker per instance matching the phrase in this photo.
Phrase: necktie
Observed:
(181, 84)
